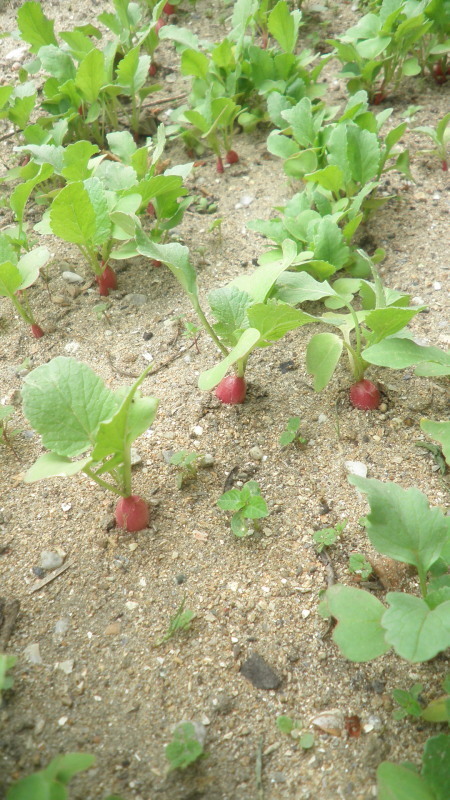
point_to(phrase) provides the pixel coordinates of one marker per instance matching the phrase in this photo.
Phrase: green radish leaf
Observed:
(22, 192)
(329, 243)
(10, 279)
(228, 305)
(91, 75)
(76, 157)
(132, 71)
(302, 122)
(50, 465)
(179, 35)
(401, 523)
(174, 255)
(35, 28)
(274, 320)
(62, 768)
(122, 144)
(58, 63)
(260, 282)
(194, 63)
(99, 203)
(398, 353)
(115, 177)
(47, 154)
(38, 787)
(322, 357)
(65, 402)
(439, 431)
(30, 264)
(298, 287)
(131, 419)
(281, 146)
(358, 634)
(396, 782)
(387, 321)
(436, 758)
(363, 153)
(330, 178)
(211, 377)
(284, 25)
(72, 215)
(416, 632)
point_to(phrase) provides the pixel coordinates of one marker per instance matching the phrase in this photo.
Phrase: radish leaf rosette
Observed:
(77, 415)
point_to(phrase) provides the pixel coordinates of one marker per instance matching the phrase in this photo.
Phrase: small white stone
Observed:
(66, 506)
(417, 301)
(247, 200)
(198, 430)
(322, 418)
(131, 605)
(72, 277)
(305, 613)
(32, 654)
(62, 721)
(65, 666)
(356, 468)
(437, 286)
(72, 347)
(147, 356)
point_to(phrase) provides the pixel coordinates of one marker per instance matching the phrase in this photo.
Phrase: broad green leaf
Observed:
(401, 523)
(260, 282)
(416, 632)
(91, 75)
(281, 146)
(174, 255)
(387, 321)
(211, 377)
(363, 153)
(132, 71)
(301, 119)
(398, 353)
(396, 782)
(358, 634)
(184, 748)
(122, 144)
(34, 26)
(50, 465)
(47, 154)
(76, 157)
(58, 63)
(115, 177)
(65, 401)
(179, 35)
(229, 305)
(274, 320)
(331, 178)
(30, 264)
(436, 760)
(72, 215)
(322, 357)
(283, 25)
(10, 279)
(99, 202)
(298, 287)
(439, 431)
(194, 63)
(230, 501)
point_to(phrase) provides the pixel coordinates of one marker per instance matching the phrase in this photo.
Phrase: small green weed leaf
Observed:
(291, 432)
(10, 279)
(184, 748)
(255, 507)
(174, 255)
(322, 357)
(387, 321)
(274, 320)
(65, 766)
(65, 401)
(283, 25)
(260, 282)
(91, 75)
(437, 430)
(285, 724)
(239, 526)
(398, 353)
(436, 759)
(359, 565)
(306, 740)
(247, 342)
(6, 663)
(396, 782)
(72, 215)
(230, 501)
(416, 632)
(35, 28)
(30, 264)
(229, 305)
(401, 523)
(358, 634)
(50, 465)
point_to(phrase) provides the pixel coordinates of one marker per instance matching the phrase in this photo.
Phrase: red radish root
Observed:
(232, 157)
(36, 331)
(132, 513)
(231, 390)
(169, 9)
(219, 164)
(365, 395)
(106, 281)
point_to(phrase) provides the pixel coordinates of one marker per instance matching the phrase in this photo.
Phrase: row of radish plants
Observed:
(103, 188)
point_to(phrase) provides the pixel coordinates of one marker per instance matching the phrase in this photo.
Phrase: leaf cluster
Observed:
(247, 504)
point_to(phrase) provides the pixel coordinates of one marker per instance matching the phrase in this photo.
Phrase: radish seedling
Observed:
(75, 413)
(440, 136)
(247, 504)
(16, 275)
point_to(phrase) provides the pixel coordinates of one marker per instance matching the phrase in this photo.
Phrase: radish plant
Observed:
(246, 317)
(17, 275)
(440, 135)
(77, 415)
(402, 526)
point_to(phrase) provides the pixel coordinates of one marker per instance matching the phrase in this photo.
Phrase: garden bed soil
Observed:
(102, 686)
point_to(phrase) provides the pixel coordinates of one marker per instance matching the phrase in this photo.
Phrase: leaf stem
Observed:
(101, 482)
